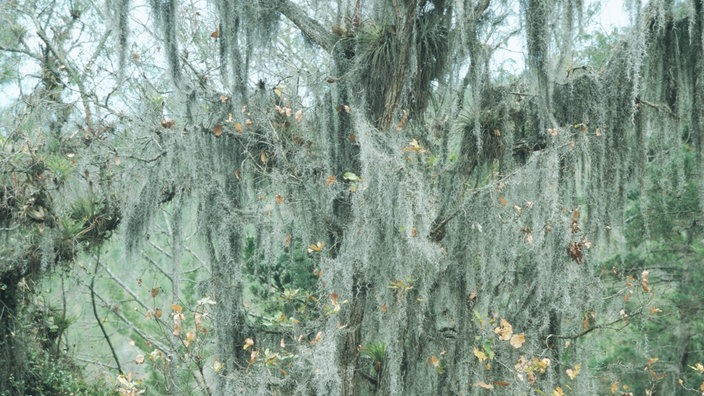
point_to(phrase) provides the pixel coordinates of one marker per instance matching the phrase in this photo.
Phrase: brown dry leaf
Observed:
(598, 132)
(575, 215)
(287, 240)
(654, 310)
(503, 201)
(627, 296)
(279, 199)
(155, 291)
(347, 108)
(501, 383)
(263, 158)
(167, 123)
(434, 361)
(237, 174)
(517, 340)
(574, 371)
(484, 385)
(505, 330)
(248, 342)
(248, 123)
(299, 115)
(157, 313)
(330, 180)
(177, 328)
(317, 338)
(644, 281)
(238, 127)
(253, 356)
(552, 131)
(531, 377)
(176, 308)
(472, 298)
(216, 33)
(217, 130)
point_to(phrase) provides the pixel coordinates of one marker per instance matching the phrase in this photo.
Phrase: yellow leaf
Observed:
(238, 127)
(217, 366)
(318, 247)
(573, 372)
(614, 387)
(654, 310)
(484, 385)
(558, 392)
(517, 340)
(248, 342)
(698, 368)
(479, 354)
(505, 330)
(541, 365)
(176, 308)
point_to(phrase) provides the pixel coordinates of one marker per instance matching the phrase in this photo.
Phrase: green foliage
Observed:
(658, 281)
(288, 286)
(53, 376)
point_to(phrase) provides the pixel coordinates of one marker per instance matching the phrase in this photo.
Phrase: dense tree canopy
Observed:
(350, 197)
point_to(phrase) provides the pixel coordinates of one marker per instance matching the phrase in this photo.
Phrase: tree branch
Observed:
(97, 317)
(309, 26)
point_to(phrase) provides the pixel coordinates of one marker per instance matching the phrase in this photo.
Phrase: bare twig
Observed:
(95, 313)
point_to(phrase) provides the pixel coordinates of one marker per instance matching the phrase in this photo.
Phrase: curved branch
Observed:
(309, 26)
